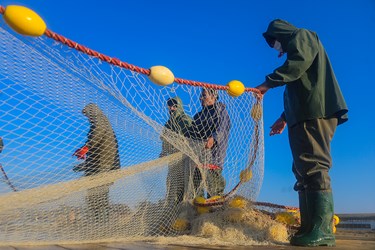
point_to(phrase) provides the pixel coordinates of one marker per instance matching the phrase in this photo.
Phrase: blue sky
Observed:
(217, 41)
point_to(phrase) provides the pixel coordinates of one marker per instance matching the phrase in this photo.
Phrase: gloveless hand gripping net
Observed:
(48, 195)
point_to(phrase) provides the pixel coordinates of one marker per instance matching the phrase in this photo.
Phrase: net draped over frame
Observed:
(44, 88)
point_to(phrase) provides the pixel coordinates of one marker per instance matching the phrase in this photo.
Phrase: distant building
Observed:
(357, 221)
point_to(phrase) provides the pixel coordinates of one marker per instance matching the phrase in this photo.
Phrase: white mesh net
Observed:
(142, 170)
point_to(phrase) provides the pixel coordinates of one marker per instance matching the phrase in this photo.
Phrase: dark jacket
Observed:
(312, 90)
(1, 144)
(103, 154)
(179, 123)
(213, 121)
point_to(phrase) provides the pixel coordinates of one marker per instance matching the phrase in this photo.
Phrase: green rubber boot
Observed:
(304, 215)
(320, 206)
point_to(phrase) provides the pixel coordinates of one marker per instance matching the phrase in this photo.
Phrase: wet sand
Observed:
(345, 240)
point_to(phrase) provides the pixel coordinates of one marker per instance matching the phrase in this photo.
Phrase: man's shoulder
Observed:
(304, 33)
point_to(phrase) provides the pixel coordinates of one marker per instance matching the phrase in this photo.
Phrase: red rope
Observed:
(93, 53)
(117, 62)
(128, 66)
(200, 84)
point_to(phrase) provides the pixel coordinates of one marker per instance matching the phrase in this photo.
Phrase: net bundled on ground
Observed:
(137, 175)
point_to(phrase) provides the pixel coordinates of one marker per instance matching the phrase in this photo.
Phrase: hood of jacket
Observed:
(93, 113)
(178, 103)
(281, 31)
(178, 115)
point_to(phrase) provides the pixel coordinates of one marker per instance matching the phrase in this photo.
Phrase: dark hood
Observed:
(178, 119)
(93, 113)
(178, 103)
(279, 30)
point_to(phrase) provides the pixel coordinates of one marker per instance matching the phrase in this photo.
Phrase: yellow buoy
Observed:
(256, 111)
(161, 75)
(24, 21)
(293, 210)
(336, 220)
(278, 232)
(199, 200)
(236, 88)
(246, 175)
(181, 224)
(238, 202)
(201, 209)
(286, 218)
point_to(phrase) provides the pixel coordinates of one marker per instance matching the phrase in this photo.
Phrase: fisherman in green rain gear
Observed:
(102, 156)
(177, 124)
(313, 107)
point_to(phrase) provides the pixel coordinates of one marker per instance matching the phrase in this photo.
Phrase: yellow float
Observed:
(181, 224)
(335, 221)
(236, 88)
(161, 75)
(201, 209)
(238, 202)
(24, 21)
(246, 175)
(286, 218)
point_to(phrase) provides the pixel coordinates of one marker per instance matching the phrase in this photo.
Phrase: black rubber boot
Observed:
(304, 215)
(320, 207)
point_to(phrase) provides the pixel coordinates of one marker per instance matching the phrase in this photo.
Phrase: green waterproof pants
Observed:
(205, 179)
(310, 145)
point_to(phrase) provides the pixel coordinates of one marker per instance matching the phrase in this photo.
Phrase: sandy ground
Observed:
(348, 240)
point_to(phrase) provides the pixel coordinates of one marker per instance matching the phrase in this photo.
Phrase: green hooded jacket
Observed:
(103, 153)
(312, 90)
(178, 122)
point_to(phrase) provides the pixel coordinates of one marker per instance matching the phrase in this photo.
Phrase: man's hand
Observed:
(210, 143)
(81, 153)
(278, 127)
(263, 88)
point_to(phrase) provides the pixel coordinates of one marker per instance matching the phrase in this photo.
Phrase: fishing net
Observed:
(91, 151)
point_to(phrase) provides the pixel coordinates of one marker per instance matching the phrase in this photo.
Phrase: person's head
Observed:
(92, 112)
(274, 43)
(172, 105)
(208, 97)
(278, 34)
